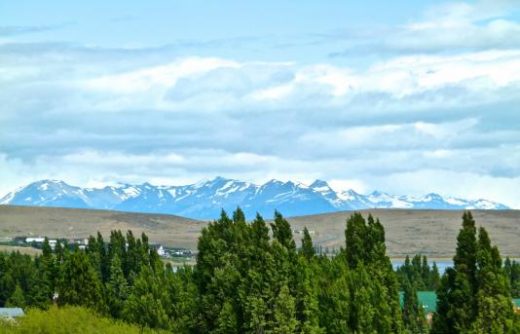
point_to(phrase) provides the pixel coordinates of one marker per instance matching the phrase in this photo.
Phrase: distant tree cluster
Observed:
(251, 277)
(419, 273)
(512, 269)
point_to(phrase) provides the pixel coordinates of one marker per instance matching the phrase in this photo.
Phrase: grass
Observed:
(67, 320)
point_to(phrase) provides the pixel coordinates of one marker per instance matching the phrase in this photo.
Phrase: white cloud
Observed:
(442, 106)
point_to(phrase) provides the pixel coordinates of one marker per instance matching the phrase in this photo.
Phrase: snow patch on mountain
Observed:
(205, 199)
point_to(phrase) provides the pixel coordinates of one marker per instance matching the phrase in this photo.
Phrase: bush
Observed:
(67, 320)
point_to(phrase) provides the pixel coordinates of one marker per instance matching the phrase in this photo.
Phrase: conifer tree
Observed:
(116, 288)
(307, 249)
(474, 296)
(495, 310)
(284, 313)
(145, 304)
(79, 284)
(282, 231)
(17, 299)
(457, 306)
(413, 314)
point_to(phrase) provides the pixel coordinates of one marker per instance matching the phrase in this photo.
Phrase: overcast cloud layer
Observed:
(429, 104)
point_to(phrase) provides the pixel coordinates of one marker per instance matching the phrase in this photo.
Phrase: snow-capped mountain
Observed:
(205, 199)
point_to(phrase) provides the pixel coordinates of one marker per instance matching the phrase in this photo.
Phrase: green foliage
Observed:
(79, 283)
(17, 299)
(284, 313)
(307, 249)
(474, 296)
(117, 289)
(413, 313)
(146, 304)
(247, 280)
(419, 273)
(512, 269)
(282, 231)
(374, 285)
(67, 320)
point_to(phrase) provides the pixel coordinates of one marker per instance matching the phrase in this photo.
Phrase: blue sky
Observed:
(404, 96)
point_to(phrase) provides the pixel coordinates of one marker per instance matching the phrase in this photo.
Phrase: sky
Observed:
(407, 97)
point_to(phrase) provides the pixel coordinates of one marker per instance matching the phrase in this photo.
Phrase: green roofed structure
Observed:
(428, 299)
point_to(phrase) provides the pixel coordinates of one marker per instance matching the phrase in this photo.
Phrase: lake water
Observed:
(441, 264)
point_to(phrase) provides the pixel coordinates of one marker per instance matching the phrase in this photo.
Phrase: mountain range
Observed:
(205, 199)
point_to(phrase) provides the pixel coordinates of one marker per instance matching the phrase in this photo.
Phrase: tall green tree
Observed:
(457, 306)
(79, 282)
(494, 306)
(284, 313)
(474, 296)
(17, 299)
(307, 249)
(413, 313)
(145, 305)
(117, 289)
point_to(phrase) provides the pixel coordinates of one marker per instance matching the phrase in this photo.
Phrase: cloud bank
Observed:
(436, 111)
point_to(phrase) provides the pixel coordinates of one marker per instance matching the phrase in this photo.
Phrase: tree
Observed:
(375, 288)
(17, 299)
(117, 289)
(282, 231)
(474, 296)
(284, 313)
(495, 310)
(413, 313)
(144, 305)
(79, 283)
(457, 306)
(226, 320)
(307, 249)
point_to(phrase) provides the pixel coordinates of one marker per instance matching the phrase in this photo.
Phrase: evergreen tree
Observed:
(79, 284)
(413, 314)
(282, 231)
(284, 313)
(145, 305)
(307, 249)
(375, 286)
(474, 296)
(117, 289)
(512, 270)
(226, 320)
(495, 310)
(457, 306)
(17, 299)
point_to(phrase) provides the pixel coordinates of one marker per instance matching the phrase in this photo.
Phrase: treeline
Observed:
(512, 269)
(419, 272)
(251, 277)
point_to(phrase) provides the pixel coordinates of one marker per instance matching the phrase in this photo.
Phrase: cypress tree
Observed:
(284, 313)
(413, 314)
(457, 306)
(495, 309)
(145, 304)
(17, 299)
(307, 249)
(79, 284)
(282, 231)
(117, 288)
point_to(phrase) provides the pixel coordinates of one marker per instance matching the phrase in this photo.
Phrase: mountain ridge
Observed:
(205, 199)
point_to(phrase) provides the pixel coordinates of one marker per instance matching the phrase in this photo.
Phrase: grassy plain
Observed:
(430, 232)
